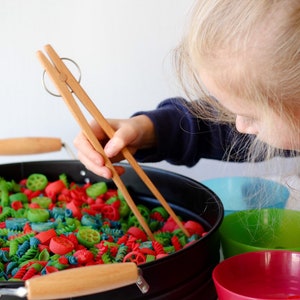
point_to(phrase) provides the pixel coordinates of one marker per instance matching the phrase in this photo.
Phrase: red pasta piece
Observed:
(147, 251)
(123, 239)
(21, 272)
(110, 212)
(75, 208)
(27, 228)
(46, 236)
(176, 243)
(16, 205)
(50, 269)
(30, 272)
(157, 216)
(54, 188)
(138, 233)
(158, 247)
(60, 245)
(83, 256)
(194, 227)
(170, 225)
(135, 256)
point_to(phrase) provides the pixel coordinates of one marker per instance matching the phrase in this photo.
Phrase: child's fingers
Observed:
(86, 149)
(124, 136)
(92, 165)
(114, 147)
(92, 160)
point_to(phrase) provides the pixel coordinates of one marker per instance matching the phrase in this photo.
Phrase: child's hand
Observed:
(133, 133)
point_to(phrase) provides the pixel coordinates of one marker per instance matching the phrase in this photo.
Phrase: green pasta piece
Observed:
(2, 267)
(38, 267)
(65, 229)
(169, 249)
(4, 243)
(58, 265)
(4, 193)
(150, 257)
(3, 231)
(44, 255)
(13, 247)
(107, 259)
(163, 238)
(63, 177)
(183, 240)
(94, 250)
(4, 215)
(111, 244)
(23, 238)
(23, 263)
(72, 221)
(29, 254)
(122, 251)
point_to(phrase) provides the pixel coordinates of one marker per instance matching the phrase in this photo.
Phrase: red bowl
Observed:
(264, 275)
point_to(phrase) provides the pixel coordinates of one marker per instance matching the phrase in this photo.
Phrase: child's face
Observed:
(250, 119)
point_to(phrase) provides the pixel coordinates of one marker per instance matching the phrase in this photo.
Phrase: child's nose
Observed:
(244, 125)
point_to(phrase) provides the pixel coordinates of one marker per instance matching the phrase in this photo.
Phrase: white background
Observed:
(124, 50)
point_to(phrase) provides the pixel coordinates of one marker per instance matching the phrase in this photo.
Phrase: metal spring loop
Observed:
(45, 85)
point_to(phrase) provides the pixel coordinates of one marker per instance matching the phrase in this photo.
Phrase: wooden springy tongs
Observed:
(67, 84)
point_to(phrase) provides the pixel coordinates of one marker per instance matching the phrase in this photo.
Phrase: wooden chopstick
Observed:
(78, 115)
(67, 77)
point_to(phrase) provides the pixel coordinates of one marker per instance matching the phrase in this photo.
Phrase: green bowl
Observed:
(260, 229)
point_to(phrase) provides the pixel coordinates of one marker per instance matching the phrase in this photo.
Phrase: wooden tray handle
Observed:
(29, 145)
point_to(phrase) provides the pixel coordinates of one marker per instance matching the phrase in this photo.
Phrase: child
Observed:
(242, 60)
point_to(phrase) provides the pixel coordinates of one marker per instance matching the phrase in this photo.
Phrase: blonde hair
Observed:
(251, 47)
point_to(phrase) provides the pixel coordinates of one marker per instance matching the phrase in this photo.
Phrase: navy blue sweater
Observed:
(183, 139)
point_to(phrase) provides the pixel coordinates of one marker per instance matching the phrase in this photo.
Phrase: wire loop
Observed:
(45, 85)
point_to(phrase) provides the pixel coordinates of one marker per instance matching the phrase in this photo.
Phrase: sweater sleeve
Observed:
(183, 139)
